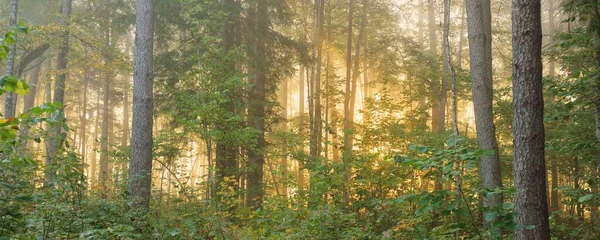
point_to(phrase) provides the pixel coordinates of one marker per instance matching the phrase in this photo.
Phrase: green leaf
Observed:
(586, 198)
(22, 88)
(174, 233)
(508, 205)
(22, 27)
(490, 216)
(410, 198)
(401, 159)
(412, 147)
(422, 149)
(530, 227)
(9, 38)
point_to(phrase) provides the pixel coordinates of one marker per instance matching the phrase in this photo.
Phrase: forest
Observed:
(299, 119)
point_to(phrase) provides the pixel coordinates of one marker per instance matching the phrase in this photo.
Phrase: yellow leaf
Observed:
(22, 88)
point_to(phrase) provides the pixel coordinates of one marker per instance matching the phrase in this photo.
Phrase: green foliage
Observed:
(391, 183)
(451, 212)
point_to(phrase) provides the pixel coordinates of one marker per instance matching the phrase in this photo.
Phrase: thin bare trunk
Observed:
(315, 133)
(435, 88)
(10, 97)
(300, 174)
(104, 168)
(347, 101)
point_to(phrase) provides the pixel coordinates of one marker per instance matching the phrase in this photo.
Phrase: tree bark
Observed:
(445, 67)
(451, 75)
(256, 108)
(226, 153)
(140, 168)
(347, 154)
(83, 119)
(34, 76)
(104, 176)
(94, 157)
(435, 88)
(531, 204)
(10, 97)
(461, 41)
(300, 178)
(328, 86)
(56, 140)
(421, 105)
(554, 205)
(479, 20)
(315, 133)
(284, 159)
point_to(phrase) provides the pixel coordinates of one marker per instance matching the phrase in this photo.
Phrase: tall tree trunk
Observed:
(104, 141)
(140, 168)
(316, 133)
(329, 75)
(479, 20)
(300, 178)
(451, 75)
(94, 160)
(34, 75)
(48, 82)
(461, 41)
(315, 145)
(54, 143)
(531, 204)
(284, 159)
(48, 92)
(596, 19)
(351, 88)
(10, 97)
(366, 71)
(256, 109)
(330, 107)
(421, 105)
(347, 154)
(126, 115)
(113, 168)
(357, 60)
(83, 119)
(554, 205)
(435, 88)
(576, 187)
(226, 152)
(445, 67)
(455, 132)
